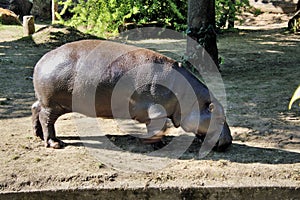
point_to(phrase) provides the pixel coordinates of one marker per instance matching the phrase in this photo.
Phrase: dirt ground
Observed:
(260, 72)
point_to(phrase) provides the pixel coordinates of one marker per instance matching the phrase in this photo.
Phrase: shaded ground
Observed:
(260, 72)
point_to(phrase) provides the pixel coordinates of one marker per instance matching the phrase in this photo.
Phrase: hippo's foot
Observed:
(151, 140)
(55, 143)
(157, 142)
(200, 138)
(155, 138)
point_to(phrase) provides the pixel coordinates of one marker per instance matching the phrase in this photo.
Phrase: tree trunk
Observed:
(201, 28)
(54, 8)
(41, 9)
(231, 14)
(28, 25)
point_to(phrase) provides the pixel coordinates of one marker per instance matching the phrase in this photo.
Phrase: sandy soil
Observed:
(260, 72)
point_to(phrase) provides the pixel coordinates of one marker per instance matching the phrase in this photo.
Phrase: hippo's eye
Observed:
(211, 107)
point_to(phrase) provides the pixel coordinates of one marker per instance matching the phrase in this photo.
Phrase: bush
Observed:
(226, 10)
(104, 17)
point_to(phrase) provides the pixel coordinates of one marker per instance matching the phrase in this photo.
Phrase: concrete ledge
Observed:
(272, 193)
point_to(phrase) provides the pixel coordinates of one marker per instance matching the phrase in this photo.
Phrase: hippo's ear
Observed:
(176, 117)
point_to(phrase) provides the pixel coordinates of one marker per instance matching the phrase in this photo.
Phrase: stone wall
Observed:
(224, 193)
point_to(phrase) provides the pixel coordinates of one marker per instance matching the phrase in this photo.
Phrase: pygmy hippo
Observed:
(107, 79)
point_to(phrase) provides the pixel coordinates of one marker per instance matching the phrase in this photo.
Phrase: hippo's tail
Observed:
(36, 124)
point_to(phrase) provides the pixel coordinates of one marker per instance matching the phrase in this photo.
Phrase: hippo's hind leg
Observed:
(37, 128)
(47, 118)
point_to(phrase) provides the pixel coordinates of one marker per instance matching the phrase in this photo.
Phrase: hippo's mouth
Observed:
(224, 137)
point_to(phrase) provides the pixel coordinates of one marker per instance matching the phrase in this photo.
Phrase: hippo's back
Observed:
(54, 73)
(79, 66)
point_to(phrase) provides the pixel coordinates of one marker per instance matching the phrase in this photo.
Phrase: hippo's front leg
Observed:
(155, 132)
(156, 125)
(47, 120)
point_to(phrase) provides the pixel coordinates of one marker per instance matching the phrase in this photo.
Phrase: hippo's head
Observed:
(207, 119)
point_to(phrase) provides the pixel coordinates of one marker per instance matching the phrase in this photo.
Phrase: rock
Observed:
(8, 17)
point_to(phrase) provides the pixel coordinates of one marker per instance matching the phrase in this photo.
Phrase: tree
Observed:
(201, 28)
(41, 9)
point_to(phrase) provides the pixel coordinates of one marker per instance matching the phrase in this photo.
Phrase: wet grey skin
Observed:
(81, 77)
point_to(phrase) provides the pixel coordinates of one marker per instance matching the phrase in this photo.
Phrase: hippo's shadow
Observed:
(236, 153)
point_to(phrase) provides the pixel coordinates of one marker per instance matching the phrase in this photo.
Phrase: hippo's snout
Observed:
(212, 121)
(225, 139)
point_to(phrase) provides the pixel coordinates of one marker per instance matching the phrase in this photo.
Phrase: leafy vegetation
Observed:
(294, 23)
(226, 11)
(104, 17)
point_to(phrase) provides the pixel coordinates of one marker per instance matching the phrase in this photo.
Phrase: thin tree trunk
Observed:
(231, 14)
(28, 25)
(54, 8)
(201, 28)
